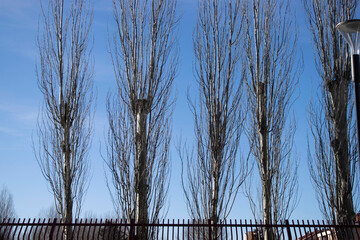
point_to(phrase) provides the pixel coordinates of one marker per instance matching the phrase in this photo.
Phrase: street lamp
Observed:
(350, 30)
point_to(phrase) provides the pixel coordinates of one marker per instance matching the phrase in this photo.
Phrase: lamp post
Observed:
(350, 30)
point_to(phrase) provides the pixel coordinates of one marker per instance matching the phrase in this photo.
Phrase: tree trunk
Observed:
(141, 174)
(264, 158)
(66, 151)
(214, 199)
(344, 201)
(68, 197)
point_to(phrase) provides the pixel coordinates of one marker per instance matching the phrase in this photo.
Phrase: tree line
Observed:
(247, 66)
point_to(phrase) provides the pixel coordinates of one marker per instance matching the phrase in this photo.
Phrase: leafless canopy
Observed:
(273, 70)
(332, 162)
(65, 122)
(216, 170)
(144, 54)
(7, 209)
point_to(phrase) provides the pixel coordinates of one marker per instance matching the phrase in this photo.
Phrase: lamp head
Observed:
(350, 30)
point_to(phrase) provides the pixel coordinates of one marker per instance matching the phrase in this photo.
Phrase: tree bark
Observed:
(66, 152)
(215, 199)
(141, 174)
(344, 202)
(264, 157)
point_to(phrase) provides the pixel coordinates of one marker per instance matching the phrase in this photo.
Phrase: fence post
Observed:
(132, 226)
(52, 228)
(209, 221)
(288, 229)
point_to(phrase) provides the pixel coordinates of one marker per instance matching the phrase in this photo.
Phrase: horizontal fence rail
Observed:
(175, 229)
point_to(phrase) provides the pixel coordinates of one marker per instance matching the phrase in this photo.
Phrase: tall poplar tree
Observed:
(144, 55)
(65, 78)
(332, 162)
(273, 67)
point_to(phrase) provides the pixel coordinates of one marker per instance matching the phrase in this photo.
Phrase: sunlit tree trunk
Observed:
(264, 141)
(141, 174)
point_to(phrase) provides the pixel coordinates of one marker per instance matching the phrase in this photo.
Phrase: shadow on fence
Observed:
(171, 229)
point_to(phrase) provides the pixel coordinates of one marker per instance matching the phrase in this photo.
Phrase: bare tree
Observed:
(65, 124)
(49, 213)
(332, 161)
(216, 170)
(273, 69)
(145, 59)
(7, 209)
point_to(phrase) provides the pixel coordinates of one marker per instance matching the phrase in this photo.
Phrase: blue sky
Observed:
(20, 101)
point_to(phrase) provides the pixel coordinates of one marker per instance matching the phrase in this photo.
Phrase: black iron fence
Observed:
(176, 229)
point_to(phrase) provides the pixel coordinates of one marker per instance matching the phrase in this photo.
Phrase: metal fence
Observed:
(176, 229)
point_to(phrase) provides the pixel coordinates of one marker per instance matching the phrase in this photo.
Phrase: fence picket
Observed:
(195, 229)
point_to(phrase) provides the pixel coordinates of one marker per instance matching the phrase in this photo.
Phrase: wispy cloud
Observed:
(17, 120)
(19, 112)
(18, 26)
(16, 9)
(10, 131)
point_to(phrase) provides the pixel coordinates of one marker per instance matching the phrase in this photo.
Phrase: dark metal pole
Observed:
(355, 69)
